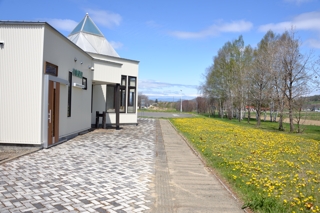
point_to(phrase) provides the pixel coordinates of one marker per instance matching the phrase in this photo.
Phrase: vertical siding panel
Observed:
(20, 83)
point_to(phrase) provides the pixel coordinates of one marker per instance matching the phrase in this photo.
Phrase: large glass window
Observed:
(122, 99)
(111, 93)
(110, 98)
(69, 94)
(132, 94)
(123, 80)
(123, 93)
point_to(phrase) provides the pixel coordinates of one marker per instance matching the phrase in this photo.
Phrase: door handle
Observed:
(49, 116)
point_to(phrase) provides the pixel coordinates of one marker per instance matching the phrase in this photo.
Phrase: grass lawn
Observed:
(305, 115)
(273, 171)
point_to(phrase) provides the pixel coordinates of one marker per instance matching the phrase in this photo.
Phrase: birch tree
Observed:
(296, 69)
(262, 72)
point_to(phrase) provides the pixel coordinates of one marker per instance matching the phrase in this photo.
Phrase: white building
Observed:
(51, 86)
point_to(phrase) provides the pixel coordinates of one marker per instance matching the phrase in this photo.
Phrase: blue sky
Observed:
(174, 40)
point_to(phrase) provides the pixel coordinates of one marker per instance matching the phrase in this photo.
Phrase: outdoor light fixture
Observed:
(75, 59)
(91, 68)
(1, 44)
(78, 85)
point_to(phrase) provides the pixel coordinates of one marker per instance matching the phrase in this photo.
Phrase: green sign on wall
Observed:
(77, 73)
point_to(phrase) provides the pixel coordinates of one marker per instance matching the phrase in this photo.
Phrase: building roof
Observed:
(89, 38)
(44, 24)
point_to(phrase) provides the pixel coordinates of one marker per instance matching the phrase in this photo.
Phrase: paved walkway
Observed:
(194, 189)
(144, 168)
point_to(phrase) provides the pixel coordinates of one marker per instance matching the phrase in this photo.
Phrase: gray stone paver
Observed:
(102, 171)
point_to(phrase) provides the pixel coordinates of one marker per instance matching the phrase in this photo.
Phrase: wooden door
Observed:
(53, 112)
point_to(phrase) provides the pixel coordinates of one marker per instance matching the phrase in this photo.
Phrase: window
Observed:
(122, 100)
(69, 94)
(110, 98)
(123, 80)
(84, 83)
(91, 97)
(51, 69)
(111, 93)
(132, 94)
(123, 93)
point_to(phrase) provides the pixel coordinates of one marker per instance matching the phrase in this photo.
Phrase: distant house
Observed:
(51, 86)
(251, 108)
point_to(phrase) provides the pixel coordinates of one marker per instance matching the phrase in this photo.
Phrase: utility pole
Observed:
(181, 101)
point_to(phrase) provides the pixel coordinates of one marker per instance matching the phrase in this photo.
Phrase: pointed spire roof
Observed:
(88, 26)
(89, 38)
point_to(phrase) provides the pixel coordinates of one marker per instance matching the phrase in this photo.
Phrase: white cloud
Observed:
(314, 43)
(105, 18)
(304, 21)
(116, 44)
(216, 29)
(63, 24)
(154, 89)
(151, 84)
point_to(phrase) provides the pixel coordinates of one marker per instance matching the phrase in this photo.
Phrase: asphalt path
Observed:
(164, 115)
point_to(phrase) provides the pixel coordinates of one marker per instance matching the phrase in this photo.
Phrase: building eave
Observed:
(94, 55)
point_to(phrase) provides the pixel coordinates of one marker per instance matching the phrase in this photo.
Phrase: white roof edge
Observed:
(113, 57)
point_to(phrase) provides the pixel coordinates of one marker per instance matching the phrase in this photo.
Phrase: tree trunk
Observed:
(271, 111)
(291, 118)
(258, 117)
(258, 110)
(281, 122)
(221, 110)
(290, 99)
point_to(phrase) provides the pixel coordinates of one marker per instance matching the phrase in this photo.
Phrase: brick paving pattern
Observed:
(102, 171)
(8, 152)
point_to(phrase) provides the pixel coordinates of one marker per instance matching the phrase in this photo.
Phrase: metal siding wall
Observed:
(21, 83)
(61, 52)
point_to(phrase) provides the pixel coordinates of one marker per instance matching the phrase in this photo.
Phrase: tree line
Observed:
(275, 76)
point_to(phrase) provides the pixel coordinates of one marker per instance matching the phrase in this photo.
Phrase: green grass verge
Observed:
(272, 171)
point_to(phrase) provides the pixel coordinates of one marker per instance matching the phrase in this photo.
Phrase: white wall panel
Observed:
(60, 51)
(99, 101)
(125, 118)
(106, 72)
(21, 83)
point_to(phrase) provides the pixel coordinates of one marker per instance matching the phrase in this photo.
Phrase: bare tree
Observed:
(202, 105)
(188, 106)
(261, 72)
(275, 75)
(296, 68)
(142, 97)
(299, 115)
